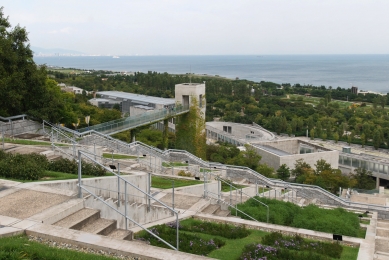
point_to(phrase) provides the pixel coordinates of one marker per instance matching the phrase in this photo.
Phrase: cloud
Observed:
(65, 30)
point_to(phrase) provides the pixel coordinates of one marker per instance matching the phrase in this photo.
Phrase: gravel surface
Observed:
(26, 203)
(55, 244)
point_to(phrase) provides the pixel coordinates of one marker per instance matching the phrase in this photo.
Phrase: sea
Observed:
(367, 72)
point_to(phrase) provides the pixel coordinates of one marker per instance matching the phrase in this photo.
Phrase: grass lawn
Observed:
(225, 187)
(166, 182)
(262, 190)
(173, 164)
(29, 142)
(56, 176)
(19, 247)
(118, 156)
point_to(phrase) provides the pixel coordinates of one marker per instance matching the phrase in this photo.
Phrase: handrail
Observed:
(10, 118)
(256, 192)
(268, 181)
(82, 153)
(232, 206)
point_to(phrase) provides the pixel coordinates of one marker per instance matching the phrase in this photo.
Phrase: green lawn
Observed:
(19, 247)
(262, 190)
(56, 176)
(225, 187)
(118, 156)
(166, 182)
(173, 164)
(29, 142)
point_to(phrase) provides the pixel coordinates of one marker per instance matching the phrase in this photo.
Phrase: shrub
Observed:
(71, 166)
(188, 242)
(63, 165)
(277, 246)
(22, 166)
(184, 174)
(312, 217)
(223, 230)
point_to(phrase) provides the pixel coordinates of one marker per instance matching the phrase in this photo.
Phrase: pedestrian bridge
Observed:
(132, 122)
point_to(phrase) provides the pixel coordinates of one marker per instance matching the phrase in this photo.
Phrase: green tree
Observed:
(283, 172)
(363, 139)
(363, 179)
(22, 83)
(377, 138)
(336, 137)
(301, 168)
(321, 165)
(312, 133)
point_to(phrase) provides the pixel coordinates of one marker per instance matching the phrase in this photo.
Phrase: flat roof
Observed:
(137, 97)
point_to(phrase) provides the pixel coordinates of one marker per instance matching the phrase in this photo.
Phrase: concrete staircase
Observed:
(89, 220)
(215, 209)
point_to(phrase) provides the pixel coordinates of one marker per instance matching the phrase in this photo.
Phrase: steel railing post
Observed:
(149, 191)
(118, 185)
(173, 195)
(125, 205)
(79, 175)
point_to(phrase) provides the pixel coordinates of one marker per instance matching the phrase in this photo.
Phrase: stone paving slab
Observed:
(97, 242)
(10, 231)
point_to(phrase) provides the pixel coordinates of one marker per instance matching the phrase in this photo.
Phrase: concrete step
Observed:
(100, 226)
(53, 157)
(210, 209)
(222, 213)
(79, 219)
(121, 234)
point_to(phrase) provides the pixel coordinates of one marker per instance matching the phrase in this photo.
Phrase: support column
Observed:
(377, 183)
(165, 139)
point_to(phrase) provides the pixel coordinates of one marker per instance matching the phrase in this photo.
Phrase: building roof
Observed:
(137, 97)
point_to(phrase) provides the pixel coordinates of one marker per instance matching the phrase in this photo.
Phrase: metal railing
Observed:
(241, 193)
(131, 122)
(81, 187)
(268, 181)
(11, 118)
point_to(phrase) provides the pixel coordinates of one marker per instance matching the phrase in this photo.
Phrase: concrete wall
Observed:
(135, 211)
(370, 199)
(331, 157)
(270, 159)
(199, 189)
(190, 89)
(107, 186)
(290, 146)
(20, 126)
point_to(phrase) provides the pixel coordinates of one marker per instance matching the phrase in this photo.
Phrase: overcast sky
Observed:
(205, 27)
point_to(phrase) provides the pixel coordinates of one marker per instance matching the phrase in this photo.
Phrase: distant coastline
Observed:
(367, 72)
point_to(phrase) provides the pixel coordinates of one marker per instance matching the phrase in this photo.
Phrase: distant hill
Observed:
(55, 51)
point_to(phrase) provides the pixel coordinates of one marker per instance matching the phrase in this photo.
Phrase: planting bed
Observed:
(224, 241)
(336, 221)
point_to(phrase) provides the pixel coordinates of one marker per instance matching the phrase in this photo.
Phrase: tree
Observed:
(283, 172)
(301, 168)
(363, 179)
(321, 165)
(377, 138)
(336, 137)
(22, 83)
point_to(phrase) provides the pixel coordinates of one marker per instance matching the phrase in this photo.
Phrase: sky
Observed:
(205, 27)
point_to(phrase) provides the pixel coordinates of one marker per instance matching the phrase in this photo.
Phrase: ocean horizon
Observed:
(367, 72)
